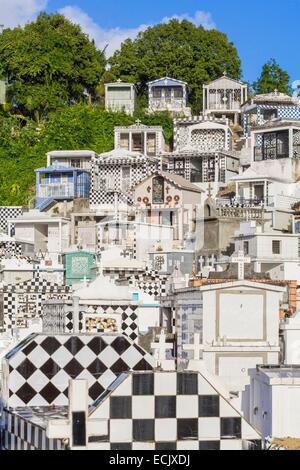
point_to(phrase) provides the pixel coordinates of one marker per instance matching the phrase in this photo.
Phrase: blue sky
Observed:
(259, 29)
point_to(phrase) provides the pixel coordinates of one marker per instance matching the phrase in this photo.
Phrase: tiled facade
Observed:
(23, 301)
(37, 371)
(171, 411)
(6, 213)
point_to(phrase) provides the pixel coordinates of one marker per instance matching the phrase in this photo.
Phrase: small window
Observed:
(178, 92)
(270, 114)
(157, 92)
(124, 141)
(246, 248)
(276, 247)
(158, 190)
(75, 163)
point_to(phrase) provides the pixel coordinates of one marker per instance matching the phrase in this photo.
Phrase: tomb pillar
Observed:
(60, 236)
(145, 134)
(265, 193)
(37, 178)
(291, 146)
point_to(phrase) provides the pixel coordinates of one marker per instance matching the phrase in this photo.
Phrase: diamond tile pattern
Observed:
(38, 371)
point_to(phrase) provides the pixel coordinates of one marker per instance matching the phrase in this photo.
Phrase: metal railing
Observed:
(228, 106)
(55, 190)
(245, 202)
(162, 103)
(279, 201)
(269, 153)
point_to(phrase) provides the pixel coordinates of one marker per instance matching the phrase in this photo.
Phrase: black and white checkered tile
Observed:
(10, 248)
(21, 434)
(115, 315)
(285, 112)
(6, 213)
(37, 371)
(24, 300)
(104, 168)
(151, 282)
(104, 319)
(171, 411)
(183, 137)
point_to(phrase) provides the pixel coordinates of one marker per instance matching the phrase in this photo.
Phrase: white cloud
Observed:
(110, 38)
(18, 12)
(200, 18)
(113, 38)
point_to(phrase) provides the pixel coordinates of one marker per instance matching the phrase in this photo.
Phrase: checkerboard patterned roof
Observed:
(37, 371)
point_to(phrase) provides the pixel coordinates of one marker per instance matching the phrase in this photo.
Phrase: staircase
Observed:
(45, 204)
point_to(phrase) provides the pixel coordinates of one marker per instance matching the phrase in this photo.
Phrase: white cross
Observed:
(161, 347)
(138, 122)
(241, 260)
(197, 348)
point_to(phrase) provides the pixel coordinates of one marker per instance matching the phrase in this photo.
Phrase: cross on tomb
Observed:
(196, 347)
(161, 347)
(209, 190)
(241, 260)
(124, 253)
(138, 122)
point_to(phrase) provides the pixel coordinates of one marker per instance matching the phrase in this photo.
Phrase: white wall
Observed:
(261, 407)
(247, 305)
(148, 317)
(283, 271)
(261, 246)
(289, 247)
(149, 236)
(24, 232)
(276, 408)
(241, 322)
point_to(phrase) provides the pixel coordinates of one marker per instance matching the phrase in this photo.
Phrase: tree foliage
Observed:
(178, 49)
(48, 63)
(272, 77)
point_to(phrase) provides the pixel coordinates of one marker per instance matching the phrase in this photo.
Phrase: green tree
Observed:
(48, 63)
(178, 49)
(272, 77)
